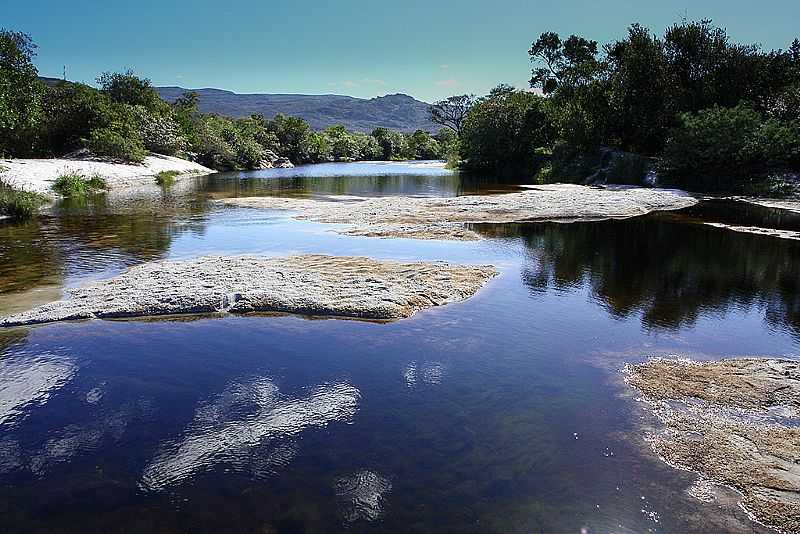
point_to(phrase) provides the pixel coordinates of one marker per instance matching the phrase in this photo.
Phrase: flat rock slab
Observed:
(443, 218)
(341, 286)
(735, 423)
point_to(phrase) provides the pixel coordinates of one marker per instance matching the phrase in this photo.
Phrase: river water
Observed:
(502, 413)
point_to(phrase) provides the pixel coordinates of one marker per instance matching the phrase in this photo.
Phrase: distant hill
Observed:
(396, 112)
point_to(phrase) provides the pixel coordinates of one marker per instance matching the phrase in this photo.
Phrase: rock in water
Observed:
(734, 422)
(444, 218)
(342, 286)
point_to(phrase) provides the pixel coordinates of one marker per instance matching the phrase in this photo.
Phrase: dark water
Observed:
(504, 413)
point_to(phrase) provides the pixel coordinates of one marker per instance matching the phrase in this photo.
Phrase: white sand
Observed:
(39, 174)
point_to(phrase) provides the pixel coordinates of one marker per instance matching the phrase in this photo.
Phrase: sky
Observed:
(429, 49)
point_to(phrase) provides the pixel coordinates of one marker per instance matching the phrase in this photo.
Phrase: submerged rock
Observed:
(735, 423)
(310, 285)
(443, 218)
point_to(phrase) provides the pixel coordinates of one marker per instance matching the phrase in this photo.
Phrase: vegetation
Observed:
(19, 205)
(124, 119)
(709, 112)
(75, 185)
(166, 178)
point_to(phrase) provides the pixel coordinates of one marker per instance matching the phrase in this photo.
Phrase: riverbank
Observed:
(734, 422)
(38, 175)
(444, 218)
(316, 285)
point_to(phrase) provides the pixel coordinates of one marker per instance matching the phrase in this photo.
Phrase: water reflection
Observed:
(30, 380)
(670, 272)
(242, 426)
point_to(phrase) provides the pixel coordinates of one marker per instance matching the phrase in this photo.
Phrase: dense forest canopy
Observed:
(125, 119)
(709, 112)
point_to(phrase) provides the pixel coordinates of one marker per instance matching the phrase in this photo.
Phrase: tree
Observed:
(452, 111)
(20, 94)
(504, 129)
(555, 59)
(127, 88)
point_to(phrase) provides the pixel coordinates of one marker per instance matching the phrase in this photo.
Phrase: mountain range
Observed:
(396, 112)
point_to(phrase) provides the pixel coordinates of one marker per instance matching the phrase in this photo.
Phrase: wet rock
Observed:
(310, 285)
(443, 218)
(733, 422)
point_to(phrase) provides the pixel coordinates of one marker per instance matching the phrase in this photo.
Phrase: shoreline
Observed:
(38, 175)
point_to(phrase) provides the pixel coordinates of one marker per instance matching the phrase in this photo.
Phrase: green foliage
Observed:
(159, 134)
(504, 129)
(119, 141)
(451, 112)
(19, 205)
(20, 94)
(73, 184)
(73, 110)
(722, 147)
(127, 88)
(166, 178)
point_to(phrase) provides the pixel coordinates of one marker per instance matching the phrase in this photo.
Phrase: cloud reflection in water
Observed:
(240, 422)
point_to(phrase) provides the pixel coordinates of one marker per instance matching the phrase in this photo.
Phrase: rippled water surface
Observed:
(503, 413)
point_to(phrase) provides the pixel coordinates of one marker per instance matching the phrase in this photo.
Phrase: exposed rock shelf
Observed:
(39, 174)
(443, 218)
(342, 286)
(735, 423)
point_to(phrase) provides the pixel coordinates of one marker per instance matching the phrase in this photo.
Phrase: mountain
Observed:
(396, 112)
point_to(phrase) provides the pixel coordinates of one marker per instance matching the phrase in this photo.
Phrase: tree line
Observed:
(701, 110)
(125, 119)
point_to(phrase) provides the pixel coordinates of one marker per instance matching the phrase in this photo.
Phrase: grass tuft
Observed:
(74, 184)
(166, 178)
(19, 205)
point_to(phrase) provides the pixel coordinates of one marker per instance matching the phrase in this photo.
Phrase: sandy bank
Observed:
(39, 174)
(309, 284)
(443, 218)
(735, 423)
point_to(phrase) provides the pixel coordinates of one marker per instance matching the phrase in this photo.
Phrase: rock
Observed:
(443, 218)
(309, 285)
(733, 422)
(282, 163)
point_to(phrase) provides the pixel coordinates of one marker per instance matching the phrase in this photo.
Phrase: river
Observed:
(503, 413)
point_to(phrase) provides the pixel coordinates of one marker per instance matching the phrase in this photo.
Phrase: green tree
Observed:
(505, 128)
(20, 94)
(127, 88)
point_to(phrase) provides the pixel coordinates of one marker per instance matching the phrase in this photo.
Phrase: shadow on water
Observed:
(663, 269)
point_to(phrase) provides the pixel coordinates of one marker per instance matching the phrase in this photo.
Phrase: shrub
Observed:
(160, 134)
(117, 142)
(166, 178)
(728, 147)
(19, 205)
(74, 184)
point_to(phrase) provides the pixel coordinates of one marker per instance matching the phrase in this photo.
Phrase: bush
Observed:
(159, 134)
(19, 205)
(166, 178)
(74, 184)
(728, 147)
(117, 142)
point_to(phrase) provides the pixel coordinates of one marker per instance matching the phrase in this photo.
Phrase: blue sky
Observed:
(428, 49)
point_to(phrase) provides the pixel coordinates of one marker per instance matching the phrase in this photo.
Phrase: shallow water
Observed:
(503, 413)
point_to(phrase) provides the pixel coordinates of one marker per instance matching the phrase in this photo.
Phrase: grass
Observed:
(74, 184)
(19, 205)
(166, 178)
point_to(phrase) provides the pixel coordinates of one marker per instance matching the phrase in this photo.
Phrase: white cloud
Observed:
(447, 83)
(374, 81)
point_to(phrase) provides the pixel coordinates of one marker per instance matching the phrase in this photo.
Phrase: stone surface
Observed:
(39, 174)
(310, 285)
(443, 218)
(735, 423)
